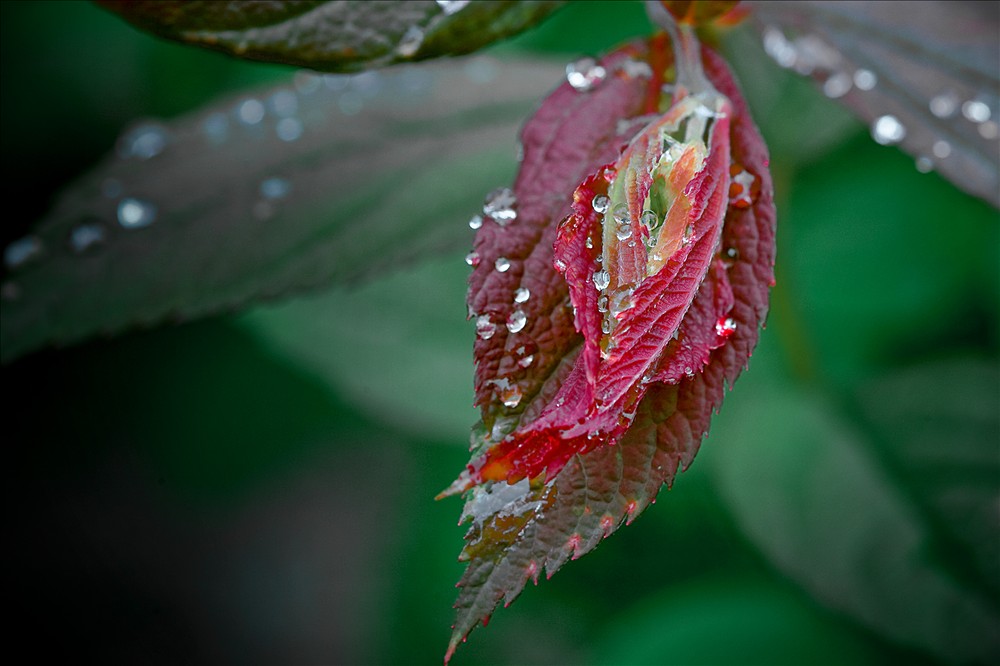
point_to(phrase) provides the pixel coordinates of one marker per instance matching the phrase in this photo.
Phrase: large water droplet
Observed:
(865, 79)
(500, 204)
(620, 214)
(502, 264)
(976, 111)
(472, 259)
(887, 130)
(510, 396)
(289, 129)
(521, 295)
(623, 231)
(516, 321)
(250, 111)
(476, 222)
(649, 219)
(275, 188)
(23, 252)
(725, 327)
(410, 43)
(87, 236)
(619, 302)
(449, 7)
(601, 203)
(585, 74)
(143, 142)
(135, 213)
(602, 303)
(602, 280)
(485, 328)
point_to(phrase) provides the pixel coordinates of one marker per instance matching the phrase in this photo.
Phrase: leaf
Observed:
(269, 192)
(803, 484)
(522, 528)
(922, 74)
(334, 35)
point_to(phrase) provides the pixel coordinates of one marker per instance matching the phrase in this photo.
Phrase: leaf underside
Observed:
(242, 214)
(571, 136)
(333, 35)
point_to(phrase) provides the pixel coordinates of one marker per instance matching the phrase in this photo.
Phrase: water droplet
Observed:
(476, 222)
(636, 69)
(865, 79)
(472, 259)
(620, 214)
(135, 213)
(585, 74)
(559, 265)
(450, 7)
(620, 301)
(601, 203)
(941, 149)
(779, 48)
(275, 188)
(250, 111)
(510, 396)
(283, 103)
(410, 43)
(502, 264)
(500, 204)
(688, 235)
(623, 231)
(10, 291)
(589, 243)
(23, 252)
(485, 328)
(887, 130)
(606, 327)
(601, 280)
(522, 294)
(306, 82)
(526, 360)
(87, 236)
(725, 327)
(289, 129)
(837, 85)
(602, 303)
(976, 111)
(516, 321)
(649, 219)
(741, 187)
(215, 126)
(924, 164)
(944, 105)
(989, 130)
(143, 142)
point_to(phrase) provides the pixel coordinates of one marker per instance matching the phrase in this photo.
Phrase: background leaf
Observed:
(922, 74)
(269, 191)
(335, 35)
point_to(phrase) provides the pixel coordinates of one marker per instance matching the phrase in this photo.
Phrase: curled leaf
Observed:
(642, 224)
(334, 35)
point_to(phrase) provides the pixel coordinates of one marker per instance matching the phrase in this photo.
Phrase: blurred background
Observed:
(258, 486)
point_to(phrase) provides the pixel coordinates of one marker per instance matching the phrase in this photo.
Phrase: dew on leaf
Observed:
(741, 187)
(941, 149)
(601, 280)
(87, 236)
(526, 360)
(485, 328)
(620, 214)
(837, 85)
(725, 327)
(585, 74)
(283, 103)
(944, 105)
(23, 252)
(601, 203)
(619, 302)
(649, 219)
(250, 112)
(924, 164)
(516, 321)
(510, 396)
(623, 231)
(635, 69)
(135, 213)
(289, 129)
(411, 41)
(976, 111)
(476, 222)
(865, 79)
(887, 130)
(522, 294)
(500, 204)
(688, 234)
(602, 303)
(472, 259)
(306, 82)
(502, 264)
(143, 142)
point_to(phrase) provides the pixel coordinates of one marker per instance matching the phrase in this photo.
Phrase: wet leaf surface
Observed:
(334, 35)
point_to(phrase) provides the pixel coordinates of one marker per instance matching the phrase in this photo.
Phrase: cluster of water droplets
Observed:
(810, 55)
(586, 73)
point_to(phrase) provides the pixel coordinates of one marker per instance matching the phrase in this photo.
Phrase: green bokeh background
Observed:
(236, 490)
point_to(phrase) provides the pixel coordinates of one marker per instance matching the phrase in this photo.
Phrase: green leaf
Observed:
(805, 487)
(334, 35)
(267, 192)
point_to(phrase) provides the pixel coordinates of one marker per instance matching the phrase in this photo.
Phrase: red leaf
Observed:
(612, 404)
